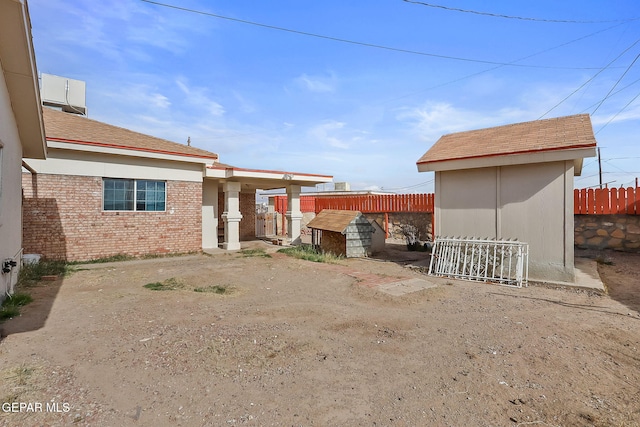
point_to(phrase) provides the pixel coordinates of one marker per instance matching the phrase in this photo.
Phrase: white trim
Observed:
(508, 159)
(135, 195)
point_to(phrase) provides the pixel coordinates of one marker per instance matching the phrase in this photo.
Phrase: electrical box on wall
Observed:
(61, 92)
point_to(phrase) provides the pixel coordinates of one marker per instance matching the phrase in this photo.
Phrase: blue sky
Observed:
(363, 108)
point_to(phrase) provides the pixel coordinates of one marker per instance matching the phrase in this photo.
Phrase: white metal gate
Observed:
(505, 262)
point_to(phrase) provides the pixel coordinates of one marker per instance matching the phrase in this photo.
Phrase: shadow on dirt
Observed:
(620, 273)
(397, 252)
(33, 316)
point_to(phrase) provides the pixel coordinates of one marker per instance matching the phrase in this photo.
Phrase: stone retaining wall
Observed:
(618, 232)
(420, 220)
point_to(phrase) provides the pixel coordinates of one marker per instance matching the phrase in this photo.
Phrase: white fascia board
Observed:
(128, 153)
(265, 175)
(508, 160)
(215, 173)
(73, 163)
(18, 64)
(275, 175)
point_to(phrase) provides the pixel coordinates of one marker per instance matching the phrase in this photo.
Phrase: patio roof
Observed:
(264, 179)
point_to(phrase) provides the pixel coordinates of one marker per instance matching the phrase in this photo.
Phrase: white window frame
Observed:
(135, 195)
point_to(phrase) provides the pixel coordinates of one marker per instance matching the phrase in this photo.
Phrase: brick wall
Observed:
(63, 220)
(248, 211)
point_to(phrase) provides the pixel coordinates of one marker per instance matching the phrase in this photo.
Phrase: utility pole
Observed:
(600, 167)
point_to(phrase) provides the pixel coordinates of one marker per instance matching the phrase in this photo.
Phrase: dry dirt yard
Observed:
(298, 343)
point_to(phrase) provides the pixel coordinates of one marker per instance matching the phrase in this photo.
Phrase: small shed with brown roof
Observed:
(513, 182)
(342, 233)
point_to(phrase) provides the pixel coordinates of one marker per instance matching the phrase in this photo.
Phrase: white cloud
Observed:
(436, 119)
(197, 98)
(325, 134)
(319, 84)
(144, 97)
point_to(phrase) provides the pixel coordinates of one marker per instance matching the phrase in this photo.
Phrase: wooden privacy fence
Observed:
(606, 201)
(378, 203)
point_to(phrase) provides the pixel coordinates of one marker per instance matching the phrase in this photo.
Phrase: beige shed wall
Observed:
(525, 202)
(461, 190)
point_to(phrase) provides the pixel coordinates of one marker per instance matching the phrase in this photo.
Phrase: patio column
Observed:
(209, 214)
(294, 215)
(231, 215)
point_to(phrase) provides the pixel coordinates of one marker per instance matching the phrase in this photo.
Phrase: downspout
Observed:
(29, 168)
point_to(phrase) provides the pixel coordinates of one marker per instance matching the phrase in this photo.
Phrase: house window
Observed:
(133, 195)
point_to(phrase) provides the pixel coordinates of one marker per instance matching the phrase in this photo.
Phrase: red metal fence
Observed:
(365, 203)
(590, 201)
(606, 201)
(307, 204)
(378, 203)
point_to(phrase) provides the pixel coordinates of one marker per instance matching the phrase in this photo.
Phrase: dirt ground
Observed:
(298, 343)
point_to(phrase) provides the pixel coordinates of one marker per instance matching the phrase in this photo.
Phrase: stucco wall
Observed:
(64, 220)
(618, 232)
(10, 189)
(525, 202)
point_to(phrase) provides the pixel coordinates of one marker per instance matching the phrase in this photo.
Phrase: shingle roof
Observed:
(66, 127)
(541, 135)
(333, 220)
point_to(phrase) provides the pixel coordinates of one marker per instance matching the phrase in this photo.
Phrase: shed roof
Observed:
(561, 133)
(76, 129)
(333, 220)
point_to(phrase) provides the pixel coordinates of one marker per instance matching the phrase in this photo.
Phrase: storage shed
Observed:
(513, 182)
(340, 232)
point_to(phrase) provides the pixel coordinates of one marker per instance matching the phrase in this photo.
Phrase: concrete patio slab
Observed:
(404, 287)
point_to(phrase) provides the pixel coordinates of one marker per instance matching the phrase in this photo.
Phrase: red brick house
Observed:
(105, 190)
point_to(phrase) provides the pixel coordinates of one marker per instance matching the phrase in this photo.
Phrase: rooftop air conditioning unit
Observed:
(69, 95)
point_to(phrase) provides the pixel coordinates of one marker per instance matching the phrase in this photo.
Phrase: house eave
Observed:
(128, 151)
(18, 62)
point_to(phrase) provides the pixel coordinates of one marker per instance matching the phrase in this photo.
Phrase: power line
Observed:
(594, 76)
(358, 43)
(511, 62)
(408, 187)
(496, 15)
(616, 84)
(614, 93)
(616, 115)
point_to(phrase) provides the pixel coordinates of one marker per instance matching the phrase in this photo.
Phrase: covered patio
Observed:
(233, 185)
